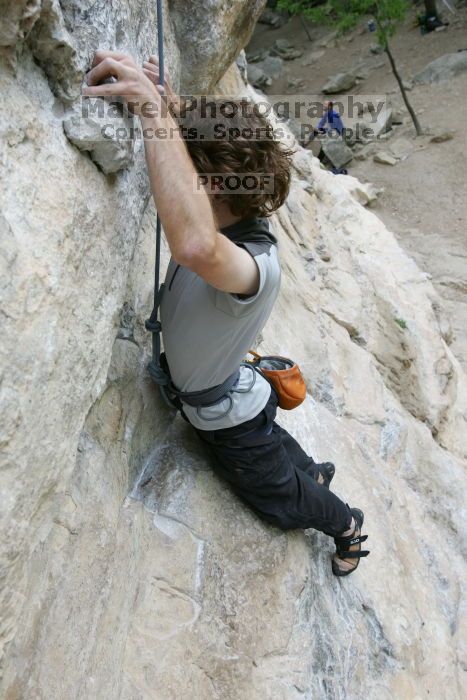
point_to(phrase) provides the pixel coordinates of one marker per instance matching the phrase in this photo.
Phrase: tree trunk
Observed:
(416, 123)
(431, 9)
(305, 27)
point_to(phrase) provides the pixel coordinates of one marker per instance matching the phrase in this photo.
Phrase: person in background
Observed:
(330, 120)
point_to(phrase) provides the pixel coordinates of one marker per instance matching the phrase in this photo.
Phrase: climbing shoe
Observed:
(343, 545)
(326, 471)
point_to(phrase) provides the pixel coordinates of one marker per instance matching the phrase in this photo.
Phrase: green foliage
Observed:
(400, 322)
(346, 14)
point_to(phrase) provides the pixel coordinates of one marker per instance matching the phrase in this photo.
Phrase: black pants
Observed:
(269, 470)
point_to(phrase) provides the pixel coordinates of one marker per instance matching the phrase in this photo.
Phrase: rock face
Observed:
(211, 35)
(112, 154)
(129, 571)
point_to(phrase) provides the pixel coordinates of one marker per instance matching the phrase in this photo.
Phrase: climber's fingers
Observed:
(151, 69)
(151, 72)
(100, 54)
(105, 69)
(153, 62)
(106, 90)
(154, 78)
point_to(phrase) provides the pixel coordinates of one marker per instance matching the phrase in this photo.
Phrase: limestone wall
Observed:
(128, 570)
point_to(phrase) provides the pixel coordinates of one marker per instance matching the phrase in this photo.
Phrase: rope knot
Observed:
(153, 326)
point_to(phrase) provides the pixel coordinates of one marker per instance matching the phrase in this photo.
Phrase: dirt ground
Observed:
(425, 194)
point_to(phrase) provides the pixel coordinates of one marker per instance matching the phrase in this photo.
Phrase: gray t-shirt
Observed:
(207, 333)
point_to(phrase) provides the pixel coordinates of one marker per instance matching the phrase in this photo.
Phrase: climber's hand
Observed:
(151, 69)
(131, 82)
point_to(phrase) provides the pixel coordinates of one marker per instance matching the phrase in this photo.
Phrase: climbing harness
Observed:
(158, 367)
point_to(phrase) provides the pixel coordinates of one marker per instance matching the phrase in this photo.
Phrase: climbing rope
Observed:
(153, 324)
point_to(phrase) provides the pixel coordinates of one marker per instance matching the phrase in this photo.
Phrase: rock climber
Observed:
(221, 284)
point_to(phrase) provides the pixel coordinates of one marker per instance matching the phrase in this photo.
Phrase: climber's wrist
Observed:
(159, 125)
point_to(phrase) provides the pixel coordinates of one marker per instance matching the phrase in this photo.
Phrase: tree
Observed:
(431, 8)
(345, 14)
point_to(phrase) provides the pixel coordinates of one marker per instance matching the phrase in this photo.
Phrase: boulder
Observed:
(286, 50)
(272, 18)
(384, 158)
(443, 68)
(257, 77)
(297, 83)
(272, 67)
(312, 58)
(369, 128)
(340, 82)
(383, 123)
(337, 152)
(257, 56)
(329, 40)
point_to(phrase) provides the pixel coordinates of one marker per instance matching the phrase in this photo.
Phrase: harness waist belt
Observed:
(207, 397)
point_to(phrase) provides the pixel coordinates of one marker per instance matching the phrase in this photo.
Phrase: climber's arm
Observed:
(187, 217)
(185, 212)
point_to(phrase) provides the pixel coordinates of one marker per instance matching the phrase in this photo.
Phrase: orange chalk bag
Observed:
(285, 376)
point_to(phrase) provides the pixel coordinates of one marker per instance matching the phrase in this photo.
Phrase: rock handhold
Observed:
(53, 47)
(443, 68)
(110, 152)
(340, 82)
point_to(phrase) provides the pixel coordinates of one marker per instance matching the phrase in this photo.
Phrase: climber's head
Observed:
(229, 137)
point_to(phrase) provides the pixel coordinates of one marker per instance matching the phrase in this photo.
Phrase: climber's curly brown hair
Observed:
(238, 139)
